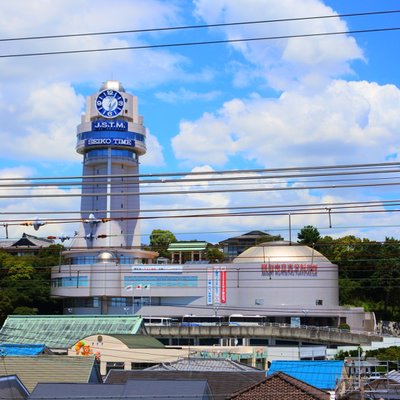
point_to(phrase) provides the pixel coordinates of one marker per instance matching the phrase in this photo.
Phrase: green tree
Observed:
(386, 277)
(214, 255)
(309, 235)
(160, 240)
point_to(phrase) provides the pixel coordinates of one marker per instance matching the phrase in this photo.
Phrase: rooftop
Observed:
(203, 364)
(283, 387)
(50, 368)
(323, 374)
(63, 331)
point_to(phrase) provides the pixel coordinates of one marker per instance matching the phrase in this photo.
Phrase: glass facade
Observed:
(82, 260)
(160, 281)
(70, 281)
(114, 153)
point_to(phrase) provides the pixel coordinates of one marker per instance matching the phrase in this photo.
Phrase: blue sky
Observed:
(267, 104)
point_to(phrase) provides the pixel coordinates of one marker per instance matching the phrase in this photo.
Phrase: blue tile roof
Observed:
(8, 349)
(323, 374)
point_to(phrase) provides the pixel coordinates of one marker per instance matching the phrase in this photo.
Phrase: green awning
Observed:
(188, 246)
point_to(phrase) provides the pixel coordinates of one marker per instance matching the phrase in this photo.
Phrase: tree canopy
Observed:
(160, 239)
(309, 235)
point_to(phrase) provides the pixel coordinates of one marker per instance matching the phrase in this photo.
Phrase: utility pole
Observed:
(360, 384)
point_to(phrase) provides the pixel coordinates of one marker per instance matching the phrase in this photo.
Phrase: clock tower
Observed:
(111, 137)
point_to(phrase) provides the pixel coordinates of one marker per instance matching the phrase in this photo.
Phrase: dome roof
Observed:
(106, 256)
(280, 251)
(113, 85)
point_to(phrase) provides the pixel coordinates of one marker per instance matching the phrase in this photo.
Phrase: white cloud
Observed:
(184, 95)
(216, 228)
(285, 63)
(203, 140)
(43, 125)
(154, 155)
(355, 121)
(24, 207)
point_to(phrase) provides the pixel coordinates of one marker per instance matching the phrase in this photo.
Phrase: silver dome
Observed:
(106, 256)
(113, 85)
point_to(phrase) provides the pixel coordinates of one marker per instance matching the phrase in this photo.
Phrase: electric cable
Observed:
(207, 42)
(173, 28)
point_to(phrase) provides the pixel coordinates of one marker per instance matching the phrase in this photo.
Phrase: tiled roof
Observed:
(203, 364)
(283, 387)
(222, 384)
(63, 331)
(27, 240)
(9, 349)
(135, 390)
(50, 368)
(322, 374)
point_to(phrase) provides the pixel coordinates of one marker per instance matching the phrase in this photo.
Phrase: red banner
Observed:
(223, 285)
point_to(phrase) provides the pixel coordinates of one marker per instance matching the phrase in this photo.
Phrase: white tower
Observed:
(111, 137)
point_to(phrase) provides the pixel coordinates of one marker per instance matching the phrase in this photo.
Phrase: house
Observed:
(130, 390)
(25, 245)
(327, 375)
(236, 245)
(283, 387)
(203, 364)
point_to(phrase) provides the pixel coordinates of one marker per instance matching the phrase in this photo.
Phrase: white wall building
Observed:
(106, 272)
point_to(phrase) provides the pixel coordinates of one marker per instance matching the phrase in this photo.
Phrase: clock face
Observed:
(109, 103)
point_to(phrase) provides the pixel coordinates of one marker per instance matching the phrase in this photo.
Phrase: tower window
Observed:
(122, 205)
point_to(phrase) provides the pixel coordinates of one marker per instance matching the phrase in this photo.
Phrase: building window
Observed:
(120, 302)
(149, 281)
(70, 281)
(319, 302)
(142, 365)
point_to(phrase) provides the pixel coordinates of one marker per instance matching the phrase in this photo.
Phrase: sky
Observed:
(297, 102)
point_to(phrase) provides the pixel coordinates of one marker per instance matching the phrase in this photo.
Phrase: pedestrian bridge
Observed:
(303, 333)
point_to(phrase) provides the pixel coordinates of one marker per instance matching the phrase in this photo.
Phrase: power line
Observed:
(173, 28)
(221, 172)
(207, 42)
(332, 205)
(203, 191)
(102, 180)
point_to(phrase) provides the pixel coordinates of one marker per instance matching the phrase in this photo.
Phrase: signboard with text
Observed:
(109, 142)
(111, 125)
(289, 269)
(209, 286)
